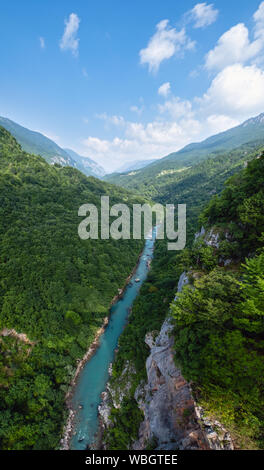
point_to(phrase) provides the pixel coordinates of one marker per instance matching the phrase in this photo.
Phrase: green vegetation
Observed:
(126, 422)
(219, 325)
(39, 144)
(148, 313)
(248, 134)
(36, 143)
(194, 186)
(219, 328)
(54, 288)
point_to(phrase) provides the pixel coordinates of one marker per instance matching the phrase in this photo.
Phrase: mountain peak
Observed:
(255, 120)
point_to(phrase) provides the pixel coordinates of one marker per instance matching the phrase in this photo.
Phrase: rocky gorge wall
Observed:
(172, 418)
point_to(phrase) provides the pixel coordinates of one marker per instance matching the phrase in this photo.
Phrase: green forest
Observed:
(54, 288)
(219, 317)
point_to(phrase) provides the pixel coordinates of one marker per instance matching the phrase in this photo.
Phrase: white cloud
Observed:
(164, 89)
(203, 15)
(69, 41)
(177, 108)
(115, 120)
(237, 91)
(219, 123)
(42, 42)
(234, 46)
(152, 140)
(235, 94)
(259, 21)
(165, 43)
(96, 144)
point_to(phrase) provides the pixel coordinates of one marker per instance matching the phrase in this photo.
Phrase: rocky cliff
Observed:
(172, 418)
(166, 400)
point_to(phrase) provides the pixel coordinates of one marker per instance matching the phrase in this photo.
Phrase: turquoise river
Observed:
(94, 376)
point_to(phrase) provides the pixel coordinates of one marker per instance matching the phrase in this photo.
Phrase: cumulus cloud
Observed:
(164, 89)
(259, 21)
(164, 44)
(203, 15)
(235, 94)
(177, 108)
(234, 46)
(69, 41)
(237, 91)
(219, 123)
(151, 140)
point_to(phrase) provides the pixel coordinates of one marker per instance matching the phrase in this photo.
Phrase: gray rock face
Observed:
(183, 281)
(200, 234)
(217, 436)
(116, 391)
(212, 239)
(166, 399)
(104, 409)
(172, 419)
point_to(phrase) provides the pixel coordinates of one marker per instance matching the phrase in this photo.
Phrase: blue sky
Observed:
(123, 80)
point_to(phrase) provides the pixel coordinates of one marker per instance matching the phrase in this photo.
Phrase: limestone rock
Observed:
(172, 419)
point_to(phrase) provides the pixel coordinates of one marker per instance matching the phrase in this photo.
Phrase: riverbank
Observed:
(68, 430)
(94, 377)
(120, 294)
(69, 426)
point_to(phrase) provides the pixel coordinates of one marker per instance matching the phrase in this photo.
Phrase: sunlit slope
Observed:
(150, 178)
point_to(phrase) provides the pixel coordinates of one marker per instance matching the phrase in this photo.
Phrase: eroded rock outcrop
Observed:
(116, 391)
(172, 419)
(166, 400)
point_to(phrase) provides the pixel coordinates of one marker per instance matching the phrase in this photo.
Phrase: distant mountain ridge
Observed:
(135, 165)
(252, 129)
(90, 167)
(38, 144)
(248, 132)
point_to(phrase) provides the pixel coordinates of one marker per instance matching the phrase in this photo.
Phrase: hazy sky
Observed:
(128, 80)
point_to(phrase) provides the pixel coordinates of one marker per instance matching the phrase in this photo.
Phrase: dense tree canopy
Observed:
(54, 287)
(219, 317)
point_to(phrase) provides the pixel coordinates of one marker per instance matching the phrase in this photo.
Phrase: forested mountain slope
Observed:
(39, 144)
(196, 185)
(152, 177)
(55, 289)
(219, 328)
